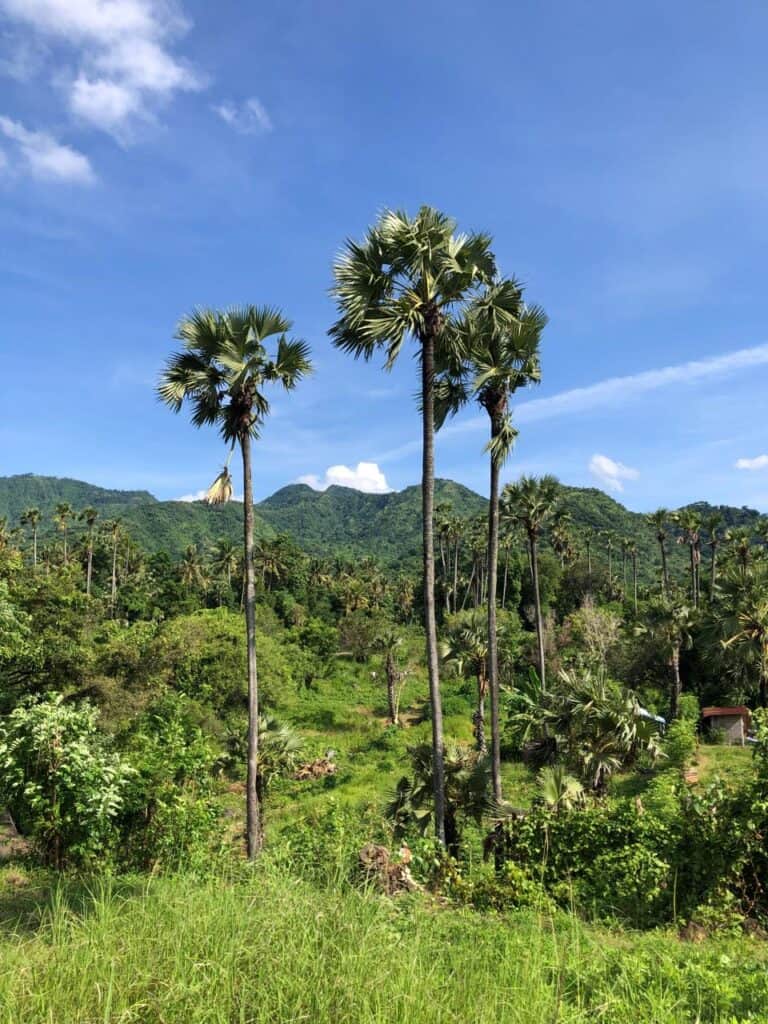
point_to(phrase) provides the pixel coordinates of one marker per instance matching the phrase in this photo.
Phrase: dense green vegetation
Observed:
(247, 770)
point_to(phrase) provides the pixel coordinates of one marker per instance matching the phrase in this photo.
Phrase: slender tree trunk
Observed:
(66, 552)
(456, 574)
(537, 602)
(664, 571)
(430, 625)
(693, 576)
(634, 578)
(493, 649)
(391, 683)
(253, 826)
(34, 547)
(113, 596)
(479, 718)
(468, 591)
(89, 571)
(713, 573)
(674, 697)
(506, 576)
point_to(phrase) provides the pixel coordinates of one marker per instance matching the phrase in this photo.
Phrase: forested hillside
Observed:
(340, 521)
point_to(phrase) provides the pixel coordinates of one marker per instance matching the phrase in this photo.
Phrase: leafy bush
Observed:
(680, 743)
(63, 785)
(170, 818)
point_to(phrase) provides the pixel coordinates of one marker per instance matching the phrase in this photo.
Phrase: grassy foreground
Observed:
(272, 949)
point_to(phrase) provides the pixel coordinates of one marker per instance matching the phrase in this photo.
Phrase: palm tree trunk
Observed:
(253, 827)
(479, 718)
(89, 571)
(430, 624)
(539, 620)
(674, 697)
(391, 682)
(713, 572)
(664, 571)
(113, 596)
(456, 575)
(693, 576)
(34, 548)
(493, 650)
(634, 578)
(506, 575)
(468, 591)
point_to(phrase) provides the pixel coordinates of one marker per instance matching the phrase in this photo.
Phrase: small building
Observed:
(732, 722)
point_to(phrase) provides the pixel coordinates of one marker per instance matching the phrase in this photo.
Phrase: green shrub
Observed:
(63, 785)
(688, 708)
(680, 743)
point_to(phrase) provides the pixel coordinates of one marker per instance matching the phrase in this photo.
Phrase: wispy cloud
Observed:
(44, 158)
(614, 392)
(610, 473)
(248, 118)
(759, 462)
(365, 477)
(125, 66)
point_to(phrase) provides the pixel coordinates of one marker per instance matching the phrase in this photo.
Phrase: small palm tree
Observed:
(532, 502)
(390, 642)
(221, 372)
(407, 279)
(739, 541)
(225, 562)
(558, 789)
(671, 625)
(743, 620)
(192, 569)
(465, 648)
(64, 512)
(89, 516)
(31, 517)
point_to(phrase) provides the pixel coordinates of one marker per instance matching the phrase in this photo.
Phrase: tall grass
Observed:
(270, 949)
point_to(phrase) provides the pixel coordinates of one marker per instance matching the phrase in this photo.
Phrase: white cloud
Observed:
(367, 477)
(197, 496)
(249, 118)
(124, 65)
(611, 473)
(759, 462)
(45, 158)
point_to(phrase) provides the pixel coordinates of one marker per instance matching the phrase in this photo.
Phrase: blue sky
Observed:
(156, 156)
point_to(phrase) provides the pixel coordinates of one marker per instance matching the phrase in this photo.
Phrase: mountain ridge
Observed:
(337, 521)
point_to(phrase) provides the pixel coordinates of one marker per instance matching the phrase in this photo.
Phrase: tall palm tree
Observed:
(89, 516)
(61, 517)
(31, 517)
(221, 372)
(406, 279)
(689, 522)
(658, 520)
(114, 529)
(500, 349)
(532, 502)
(632, 552)
(713, 525)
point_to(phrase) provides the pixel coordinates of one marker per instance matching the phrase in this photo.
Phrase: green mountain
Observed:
(338, 521)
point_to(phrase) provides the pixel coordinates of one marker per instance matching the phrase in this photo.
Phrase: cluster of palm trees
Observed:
(109, 532)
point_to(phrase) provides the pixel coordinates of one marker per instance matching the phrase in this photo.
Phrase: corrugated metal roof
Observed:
(738, 709)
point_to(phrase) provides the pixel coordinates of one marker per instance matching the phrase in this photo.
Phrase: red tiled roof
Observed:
(739, 709)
